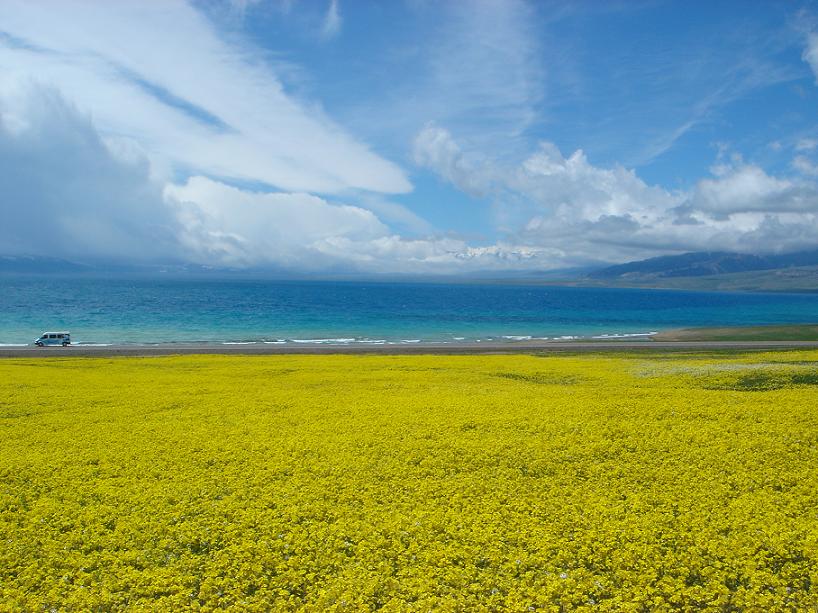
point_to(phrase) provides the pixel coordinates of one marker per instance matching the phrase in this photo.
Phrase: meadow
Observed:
(619, 482)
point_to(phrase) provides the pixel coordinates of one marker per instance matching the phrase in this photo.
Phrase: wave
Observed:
(508, 338)
(629, 335)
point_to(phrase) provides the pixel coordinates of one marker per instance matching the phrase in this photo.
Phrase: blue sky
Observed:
(415, 136)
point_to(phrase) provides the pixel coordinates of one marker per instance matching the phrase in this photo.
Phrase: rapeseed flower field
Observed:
(620, 482)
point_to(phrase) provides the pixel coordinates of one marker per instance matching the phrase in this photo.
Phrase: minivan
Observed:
(54, 338)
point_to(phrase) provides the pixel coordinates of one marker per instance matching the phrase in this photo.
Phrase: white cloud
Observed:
(806, 144)
(226, 225)
(476, 67)
(810, 54)
(69, 192)
(805, 166)
(241, 6)
(395, 214)
(66, 193)
(156, 92)
(588, 213)
(433, 256)
(435, 148)
(332, 20)
(748, 188)
(160, 74)
(486, 71)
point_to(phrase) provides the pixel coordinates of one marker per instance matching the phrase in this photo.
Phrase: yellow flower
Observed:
(619, 482)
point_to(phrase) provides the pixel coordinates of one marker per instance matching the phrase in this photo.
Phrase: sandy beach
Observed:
(415, 349)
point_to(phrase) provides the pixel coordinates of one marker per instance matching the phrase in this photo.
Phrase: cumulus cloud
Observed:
(229, 226)
(114, 152)
(748, 188)
(591, 213)
(66, 192)
(69, 192)
(161, 74)
(237, 227)
(434, 148)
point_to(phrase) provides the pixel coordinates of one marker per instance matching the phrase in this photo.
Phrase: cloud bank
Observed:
(70, 192)
(145, 132)
(66, 193)
(592, 213)
(159, 73)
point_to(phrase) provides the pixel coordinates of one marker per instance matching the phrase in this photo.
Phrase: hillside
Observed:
(705, 263)
(712, 271)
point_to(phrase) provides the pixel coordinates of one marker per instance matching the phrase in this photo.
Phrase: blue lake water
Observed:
(240, 311)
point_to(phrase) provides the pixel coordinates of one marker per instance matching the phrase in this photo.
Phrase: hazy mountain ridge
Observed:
(700, 264)
(32, 264)
(702, 271)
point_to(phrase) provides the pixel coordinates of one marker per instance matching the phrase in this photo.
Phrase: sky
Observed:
(349, 136)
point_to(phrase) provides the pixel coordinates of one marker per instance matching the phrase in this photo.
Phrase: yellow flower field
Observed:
(622, 482)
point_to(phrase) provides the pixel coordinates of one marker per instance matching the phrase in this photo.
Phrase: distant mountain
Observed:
(32, 264)
(700, 264)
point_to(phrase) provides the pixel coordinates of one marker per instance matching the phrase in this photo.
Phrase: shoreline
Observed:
(600, 346)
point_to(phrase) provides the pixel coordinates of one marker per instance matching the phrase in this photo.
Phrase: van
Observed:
(54, 338)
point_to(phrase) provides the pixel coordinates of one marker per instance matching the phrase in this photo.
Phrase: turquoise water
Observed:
(115, 311)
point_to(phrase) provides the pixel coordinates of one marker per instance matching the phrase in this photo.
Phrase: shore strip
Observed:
(426, 348)
(785, 332)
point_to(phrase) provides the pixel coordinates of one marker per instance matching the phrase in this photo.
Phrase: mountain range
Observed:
(703, 270)
(704, 263)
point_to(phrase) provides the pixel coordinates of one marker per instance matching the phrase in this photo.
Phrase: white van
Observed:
(54, 338)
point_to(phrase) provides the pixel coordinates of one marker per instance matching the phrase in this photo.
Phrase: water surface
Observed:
(120, 311)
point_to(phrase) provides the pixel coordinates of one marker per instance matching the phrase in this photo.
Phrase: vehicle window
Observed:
(52, 336)
(59, 336)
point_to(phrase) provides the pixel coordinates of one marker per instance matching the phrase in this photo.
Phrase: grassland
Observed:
(607, 482)
(793, 332)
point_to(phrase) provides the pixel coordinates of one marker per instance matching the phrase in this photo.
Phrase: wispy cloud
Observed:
(98, 199)
(474, 66)
(165, 129)
(806, 144)
(332, 20)
(627, 104)
(810, 55)
(161, 74)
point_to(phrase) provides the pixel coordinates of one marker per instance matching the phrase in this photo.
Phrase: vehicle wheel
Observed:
(39, 344)
(65, 344)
